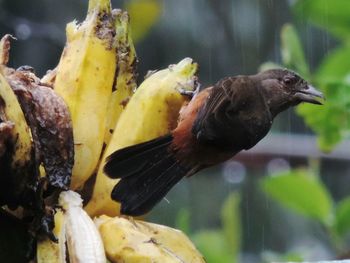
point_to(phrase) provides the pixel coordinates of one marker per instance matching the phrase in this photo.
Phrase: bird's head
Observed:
(283, 88)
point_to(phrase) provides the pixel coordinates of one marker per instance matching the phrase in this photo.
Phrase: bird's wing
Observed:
(219, 116)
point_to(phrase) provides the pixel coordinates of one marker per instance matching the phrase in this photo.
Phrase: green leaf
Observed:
(301, 192)
(342, 217)
(212, 244)
(231, 221)
(335, 67)
(271, 256)
(330, 121)
(332, 15)
(292, 51)
(143, 15)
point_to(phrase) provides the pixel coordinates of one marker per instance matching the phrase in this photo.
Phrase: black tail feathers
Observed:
(147, 171)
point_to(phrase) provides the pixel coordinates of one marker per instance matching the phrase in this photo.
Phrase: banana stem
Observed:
(100, 5)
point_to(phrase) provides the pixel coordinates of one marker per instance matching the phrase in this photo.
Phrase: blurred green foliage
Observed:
(270, 256)
(302, 192)
(330, 15)
(342, 218)
(292, 51)
(220, 245)
(231, 224)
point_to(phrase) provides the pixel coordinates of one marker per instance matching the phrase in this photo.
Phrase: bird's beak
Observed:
(310, 95)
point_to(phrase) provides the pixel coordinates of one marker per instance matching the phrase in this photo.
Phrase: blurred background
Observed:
(287, 199)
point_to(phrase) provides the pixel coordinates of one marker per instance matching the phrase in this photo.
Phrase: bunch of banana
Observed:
(151, 112)
(120, 239)
(84, 79)
(77, 235)
(133, 241)
(90, 97)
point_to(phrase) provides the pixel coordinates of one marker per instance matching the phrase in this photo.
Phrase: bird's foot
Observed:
(189, 93)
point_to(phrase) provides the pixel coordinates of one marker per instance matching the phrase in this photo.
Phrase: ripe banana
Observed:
(52, 252)
(133, 241)
(151, 112)
(76, 232)
(84, 79)
(125, 82)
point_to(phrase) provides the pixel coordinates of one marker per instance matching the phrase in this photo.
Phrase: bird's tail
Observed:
(147, 172)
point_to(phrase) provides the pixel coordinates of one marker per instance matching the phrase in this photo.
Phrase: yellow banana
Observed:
(125, 82)
(151, 112)
(84, 79)
(133, 241)
(49, 251)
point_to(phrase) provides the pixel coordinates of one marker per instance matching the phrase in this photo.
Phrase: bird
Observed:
(218, 122)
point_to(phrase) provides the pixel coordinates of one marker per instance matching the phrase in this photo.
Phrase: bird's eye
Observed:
(287, 81)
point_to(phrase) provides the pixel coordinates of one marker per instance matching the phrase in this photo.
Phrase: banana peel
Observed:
(134, 241)
(151, 112)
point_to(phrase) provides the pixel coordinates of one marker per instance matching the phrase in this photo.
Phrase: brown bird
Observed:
(219, 121)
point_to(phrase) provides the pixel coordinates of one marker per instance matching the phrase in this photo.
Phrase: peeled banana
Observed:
(76, 232)
(84, 79)
(151, 112)
(133, 241)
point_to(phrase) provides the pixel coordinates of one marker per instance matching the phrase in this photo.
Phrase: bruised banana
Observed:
(16, 147)
(133, 241)
(151, 112)
(42, 124)
(43, 137)
(48, 118)
(125, 79)
(50, 124)
(76, 232)
(84, 79)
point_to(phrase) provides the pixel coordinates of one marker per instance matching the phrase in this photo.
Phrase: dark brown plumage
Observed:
(219, 121)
